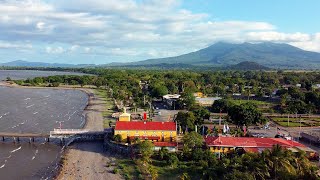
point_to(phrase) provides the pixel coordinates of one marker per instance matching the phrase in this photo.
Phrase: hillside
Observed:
(247, 65)
(223, 54)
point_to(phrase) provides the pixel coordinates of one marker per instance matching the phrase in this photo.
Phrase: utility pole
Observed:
(300, 128)
(220, 118)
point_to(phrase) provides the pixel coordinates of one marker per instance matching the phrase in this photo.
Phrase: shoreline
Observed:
(84, 160)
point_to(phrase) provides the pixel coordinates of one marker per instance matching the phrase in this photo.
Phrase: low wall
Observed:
(120, 149)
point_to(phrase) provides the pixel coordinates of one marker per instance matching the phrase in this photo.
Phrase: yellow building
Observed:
(198, 94)
(125, 116)
(249, 144)
(155, 131)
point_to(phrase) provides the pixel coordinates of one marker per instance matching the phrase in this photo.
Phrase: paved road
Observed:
(162, 113)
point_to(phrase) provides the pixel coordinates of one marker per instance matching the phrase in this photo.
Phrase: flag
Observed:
(244, 130)
(228, 129)
(224, 128)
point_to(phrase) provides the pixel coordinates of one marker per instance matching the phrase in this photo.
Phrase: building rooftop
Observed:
(140, 125)
(250, 142)
(172, 96)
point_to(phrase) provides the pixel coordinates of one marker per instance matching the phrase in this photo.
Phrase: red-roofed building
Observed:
(249, 144)
(155, 131)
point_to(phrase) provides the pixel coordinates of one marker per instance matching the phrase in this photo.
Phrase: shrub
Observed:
(117, 138)
(116, 171)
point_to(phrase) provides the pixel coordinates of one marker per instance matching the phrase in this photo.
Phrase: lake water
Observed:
(24, 74)
(36, 111)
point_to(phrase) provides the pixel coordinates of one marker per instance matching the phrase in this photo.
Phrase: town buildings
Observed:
(251, 144)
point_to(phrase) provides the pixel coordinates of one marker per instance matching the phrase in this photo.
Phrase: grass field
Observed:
(109, 107)
(291, 124)
(258, 103)
(128, 169)
(295, 122)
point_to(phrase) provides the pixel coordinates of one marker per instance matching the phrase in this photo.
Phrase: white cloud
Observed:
(276, 36)
(55, 50)
(9, 45)
(74, 48)
(135, 28)
(87, 49)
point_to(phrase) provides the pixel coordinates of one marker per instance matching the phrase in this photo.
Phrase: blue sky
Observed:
(104, 31)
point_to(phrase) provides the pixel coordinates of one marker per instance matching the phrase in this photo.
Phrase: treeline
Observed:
(132, 86)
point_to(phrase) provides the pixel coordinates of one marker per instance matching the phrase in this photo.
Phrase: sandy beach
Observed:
(88, 160)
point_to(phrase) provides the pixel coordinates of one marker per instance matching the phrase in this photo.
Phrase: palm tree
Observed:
(278, 161)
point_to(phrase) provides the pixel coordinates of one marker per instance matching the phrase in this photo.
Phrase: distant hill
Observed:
(221, 54)
(20, 63)
(247, 65)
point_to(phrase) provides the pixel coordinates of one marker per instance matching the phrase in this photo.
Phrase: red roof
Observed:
(165, 144)
(140, 125)
(250, 142)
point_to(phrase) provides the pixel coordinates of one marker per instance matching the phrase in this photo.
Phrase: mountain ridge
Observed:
(218, 55)
(275, 55)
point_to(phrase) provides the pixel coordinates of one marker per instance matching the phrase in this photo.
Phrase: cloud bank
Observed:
(125, 30)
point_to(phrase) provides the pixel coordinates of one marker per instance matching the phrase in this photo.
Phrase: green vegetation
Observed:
(277, 163)
(109, 107)
(295, 122)
(239, 113)
(255, 102)
(128, 169)
(145, 149)
(138, 88)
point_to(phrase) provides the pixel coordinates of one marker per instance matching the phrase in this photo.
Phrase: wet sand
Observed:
(88, 160)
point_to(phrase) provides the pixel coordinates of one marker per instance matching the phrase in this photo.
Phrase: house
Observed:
(144, 85)
(250, 144)
(207, 101)
(154, 131)
(171, 99)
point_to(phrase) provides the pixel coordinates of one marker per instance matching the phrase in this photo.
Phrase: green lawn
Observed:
(291, 124)
(258, 103)
(295, 122)
(128, 169)
(101, 93)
